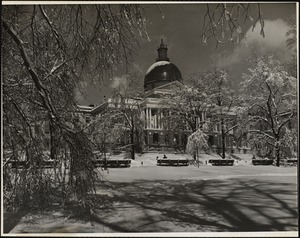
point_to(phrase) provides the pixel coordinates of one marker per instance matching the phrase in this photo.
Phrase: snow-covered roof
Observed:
(83, 108)
(162, 89)
(158, 63)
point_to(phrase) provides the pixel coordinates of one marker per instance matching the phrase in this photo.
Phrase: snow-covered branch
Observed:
(56, 35)
(231, 128)
(262, 133)
(260, 118)
(29, 66)
(57, 67)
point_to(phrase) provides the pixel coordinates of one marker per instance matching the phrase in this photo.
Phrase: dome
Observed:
(162, 71)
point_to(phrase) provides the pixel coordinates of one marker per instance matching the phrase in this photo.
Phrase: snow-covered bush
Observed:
(197, 142)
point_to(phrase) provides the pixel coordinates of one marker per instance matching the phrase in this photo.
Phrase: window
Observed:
(211, 140)
(155, 138)
(87, 119)
(46, 129)
(176, 139)
(167, 140)
(153, 112)
(37, 129)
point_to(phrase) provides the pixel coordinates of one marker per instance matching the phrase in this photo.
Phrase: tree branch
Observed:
(34, 76)
(56, 35)
(262, 133)
(260, 118)
(55, 68)
(286, 121)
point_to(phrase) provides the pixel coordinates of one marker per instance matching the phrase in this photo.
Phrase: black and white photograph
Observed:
(149, 118)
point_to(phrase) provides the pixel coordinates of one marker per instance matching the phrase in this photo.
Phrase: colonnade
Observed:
(153, 118)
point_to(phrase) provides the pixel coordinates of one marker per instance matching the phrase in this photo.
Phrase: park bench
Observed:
(262, 161)
(112, 163)
(16, 164)
(172, 162)
(292, 161)
(222, 162)
(46, 164)
(289, 162)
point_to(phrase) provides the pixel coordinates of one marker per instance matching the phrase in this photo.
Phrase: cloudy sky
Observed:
(180, 26)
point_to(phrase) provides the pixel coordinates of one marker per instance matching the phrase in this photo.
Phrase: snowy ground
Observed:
(150, 198)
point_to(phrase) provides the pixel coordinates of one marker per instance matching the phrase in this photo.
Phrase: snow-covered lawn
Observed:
(150, 198)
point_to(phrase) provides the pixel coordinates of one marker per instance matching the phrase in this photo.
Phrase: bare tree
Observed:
(105, 132)
(187, 104)
(270, 96)
(205, 99)
(46, 51)
(197, 142)
(127, 98)
(223, 21)
(291, 43)
(222, 102)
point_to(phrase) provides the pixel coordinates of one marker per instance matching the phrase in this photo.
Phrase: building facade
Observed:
(157, 133)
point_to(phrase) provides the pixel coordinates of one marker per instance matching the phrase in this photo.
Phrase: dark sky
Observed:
(181, 30)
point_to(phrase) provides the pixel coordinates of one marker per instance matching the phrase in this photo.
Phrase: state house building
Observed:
(158, 82)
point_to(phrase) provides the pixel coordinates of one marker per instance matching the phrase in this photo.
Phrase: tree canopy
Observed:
(271, 100)
(47, 50)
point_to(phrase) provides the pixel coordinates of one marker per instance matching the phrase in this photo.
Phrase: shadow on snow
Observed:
(212, 205)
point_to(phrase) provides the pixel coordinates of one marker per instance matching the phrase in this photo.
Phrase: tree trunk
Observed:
(132, 140)
(64, 193)
(197, 157)
(277, 151)
(104, 151)
(223, 138)
(138, 142)
(53, 148)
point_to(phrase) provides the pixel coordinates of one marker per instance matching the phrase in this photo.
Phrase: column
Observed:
(160, 120)
(150, 126)
(147, 118)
